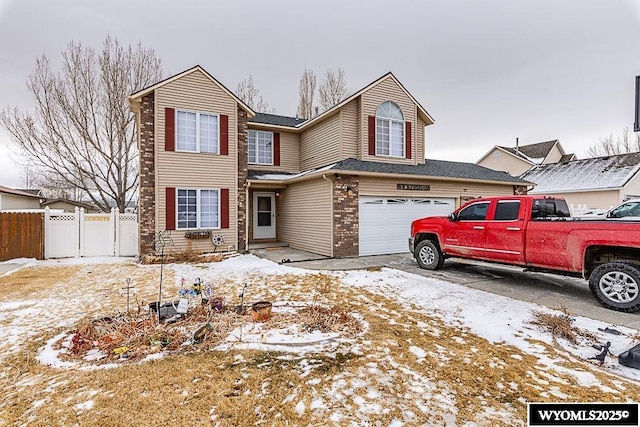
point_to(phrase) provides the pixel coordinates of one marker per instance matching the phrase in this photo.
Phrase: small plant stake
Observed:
(240, 308)
(162, 239)
(128, 289)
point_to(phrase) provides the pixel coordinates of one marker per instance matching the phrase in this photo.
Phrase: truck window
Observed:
(475, 212)
(550, 208)
(507, 210)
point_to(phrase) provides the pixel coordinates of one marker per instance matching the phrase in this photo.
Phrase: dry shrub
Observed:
(559, 325)
(332, 319)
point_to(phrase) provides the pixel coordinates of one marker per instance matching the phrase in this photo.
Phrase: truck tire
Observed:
(428, 255)
(616, 285)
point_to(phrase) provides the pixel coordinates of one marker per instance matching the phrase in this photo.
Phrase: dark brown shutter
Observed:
(372, 135)
(169, 129)
(224, 208)
(276, 148)
(171, 208)
(224, 135)
(407, 139)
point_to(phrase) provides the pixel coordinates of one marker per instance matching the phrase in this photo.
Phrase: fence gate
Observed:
(21, 235)
(80, 234)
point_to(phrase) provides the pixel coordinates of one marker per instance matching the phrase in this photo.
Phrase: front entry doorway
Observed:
(264, 215)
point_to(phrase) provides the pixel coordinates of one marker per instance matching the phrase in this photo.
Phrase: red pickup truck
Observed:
(536, 232)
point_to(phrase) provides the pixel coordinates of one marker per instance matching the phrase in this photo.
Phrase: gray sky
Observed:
(487, 71)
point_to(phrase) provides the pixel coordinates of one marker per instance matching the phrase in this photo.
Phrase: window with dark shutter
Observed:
(169, 129)
(224, 208)
(372, 135)
(407, 138)
(276, 149)
(224, 135)
(170, 208)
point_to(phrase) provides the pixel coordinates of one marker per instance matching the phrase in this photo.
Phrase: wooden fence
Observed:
(21, 235)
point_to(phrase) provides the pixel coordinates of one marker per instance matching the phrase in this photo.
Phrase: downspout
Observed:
(324, 176)
(246, 219)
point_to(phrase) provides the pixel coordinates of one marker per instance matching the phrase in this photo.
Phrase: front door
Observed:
(264, 216)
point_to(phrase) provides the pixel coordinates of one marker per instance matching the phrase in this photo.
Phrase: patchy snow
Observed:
(495, 318)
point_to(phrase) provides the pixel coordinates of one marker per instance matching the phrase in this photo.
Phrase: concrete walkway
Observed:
(550, 290)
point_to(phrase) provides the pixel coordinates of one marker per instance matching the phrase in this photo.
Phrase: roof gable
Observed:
(134, 96)
(421, 111)
(601, 173)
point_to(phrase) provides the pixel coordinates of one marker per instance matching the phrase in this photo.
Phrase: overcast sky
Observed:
(487, 71)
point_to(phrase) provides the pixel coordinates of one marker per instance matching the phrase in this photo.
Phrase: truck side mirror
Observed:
(452, 217)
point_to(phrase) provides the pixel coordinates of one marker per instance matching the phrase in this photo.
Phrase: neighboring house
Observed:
(597, 183)
(517, 160)
(345, 183)
(67, 205)
(12, 199)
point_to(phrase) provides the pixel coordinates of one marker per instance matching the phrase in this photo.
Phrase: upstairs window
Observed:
(197, 132)
(390, 130)
(260, 147)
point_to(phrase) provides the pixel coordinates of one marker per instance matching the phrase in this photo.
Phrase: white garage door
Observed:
(385, 222)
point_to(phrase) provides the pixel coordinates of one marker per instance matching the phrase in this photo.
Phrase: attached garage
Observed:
(385, 221)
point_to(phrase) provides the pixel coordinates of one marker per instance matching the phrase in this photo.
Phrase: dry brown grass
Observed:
(242, 388)
(560, 325)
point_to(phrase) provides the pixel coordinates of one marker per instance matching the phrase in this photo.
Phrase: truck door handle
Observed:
(478, 227)
(513, 228)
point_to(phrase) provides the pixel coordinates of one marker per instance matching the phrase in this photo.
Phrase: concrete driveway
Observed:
(549, 290)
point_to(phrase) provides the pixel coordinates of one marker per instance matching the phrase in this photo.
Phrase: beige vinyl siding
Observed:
(420, 142)
(196, 92)
(349, 126)
(632, 189)
(371, 186)
(387, 90)
(304, 216)
(554, 155)
(11, 202)
(289, 155)
(505, 162)
(320, 145)
(592, 199)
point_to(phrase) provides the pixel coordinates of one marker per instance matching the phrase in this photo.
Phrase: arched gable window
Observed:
(389, 130)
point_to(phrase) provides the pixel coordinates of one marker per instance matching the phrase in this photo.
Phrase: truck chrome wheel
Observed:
(428, 255)
(619, 286)
(616, 285)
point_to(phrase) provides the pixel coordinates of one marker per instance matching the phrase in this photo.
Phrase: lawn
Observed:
(408, 351)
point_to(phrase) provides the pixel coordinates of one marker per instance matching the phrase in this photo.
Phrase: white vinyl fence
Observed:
(81, 234)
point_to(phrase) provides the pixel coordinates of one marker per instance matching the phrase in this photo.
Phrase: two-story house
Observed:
(347, 182)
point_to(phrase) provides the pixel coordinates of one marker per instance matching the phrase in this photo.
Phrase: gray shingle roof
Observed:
(439, 168)
(273, 119)
(431, 168)
(15, 192)
(599, 173)
(529, 152)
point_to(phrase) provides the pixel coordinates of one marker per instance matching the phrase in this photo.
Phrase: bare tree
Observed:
(307, 91)
(333, 89)
(81, 131)
(609, 146)
(248, 93)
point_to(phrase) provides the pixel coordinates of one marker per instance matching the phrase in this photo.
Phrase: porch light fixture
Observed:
(349, 189)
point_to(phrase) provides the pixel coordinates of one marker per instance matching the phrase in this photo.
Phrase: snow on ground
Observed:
(496, 318)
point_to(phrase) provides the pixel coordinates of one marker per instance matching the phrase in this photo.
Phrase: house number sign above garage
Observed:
(413, 187)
